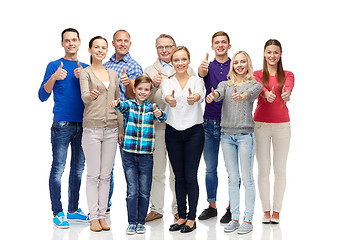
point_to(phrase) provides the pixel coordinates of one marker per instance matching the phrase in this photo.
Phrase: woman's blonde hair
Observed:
(232, 76)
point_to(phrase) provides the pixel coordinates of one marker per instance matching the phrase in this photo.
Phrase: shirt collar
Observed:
(143, 104)
(163, 64)
(225, 63)
(126, 58)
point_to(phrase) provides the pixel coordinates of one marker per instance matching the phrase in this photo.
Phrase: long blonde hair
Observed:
(232, 76)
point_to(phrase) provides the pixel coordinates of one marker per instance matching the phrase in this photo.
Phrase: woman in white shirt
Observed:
(183, 95)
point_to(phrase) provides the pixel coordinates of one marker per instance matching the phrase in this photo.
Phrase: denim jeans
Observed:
(211, 151)
(240, 146)
(184, 151)
(62, 135)
(138, 171)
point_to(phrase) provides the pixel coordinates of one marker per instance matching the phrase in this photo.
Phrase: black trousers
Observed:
(184, 151)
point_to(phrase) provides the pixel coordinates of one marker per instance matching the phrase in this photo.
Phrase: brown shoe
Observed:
(95, 226)
(105, 226)
(176, 216)
(152, 216)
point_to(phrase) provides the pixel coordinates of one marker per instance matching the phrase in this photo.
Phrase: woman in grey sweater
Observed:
(237, 135)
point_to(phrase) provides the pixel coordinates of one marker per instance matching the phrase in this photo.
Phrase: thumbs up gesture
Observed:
(157, 79)
(115, 103)
(210, 97)
(95, 93)
(61, 73)
(157, 111)
(77, 70)
(270, 96)
(170, 99)
(190, 98)
(124, 78)
(285, 94)
(203, 68)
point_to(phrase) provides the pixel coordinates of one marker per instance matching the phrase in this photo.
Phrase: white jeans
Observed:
(157, 194)
(99, 146)
(279, 134)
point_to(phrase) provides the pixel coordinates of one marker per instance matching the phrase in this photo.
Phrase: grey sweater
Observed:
(236, 117)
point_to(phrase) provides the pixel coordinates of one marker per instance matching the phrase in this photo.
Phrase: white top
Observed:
(183, 116)
(106, 84)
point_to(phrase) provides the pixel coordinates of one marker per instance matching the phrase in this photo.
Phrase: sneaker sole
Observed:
(78, 220)
(241, 233)
(130, 233)
(61, 227)
(229, 231)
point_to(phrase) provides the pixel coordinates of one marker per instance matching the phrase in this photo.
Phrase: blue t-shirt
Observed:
(68, 104)
(217, 72)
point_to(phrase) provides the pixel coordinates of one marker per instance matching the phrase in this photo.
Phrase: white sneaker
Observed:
(245, 228)
(231, 226)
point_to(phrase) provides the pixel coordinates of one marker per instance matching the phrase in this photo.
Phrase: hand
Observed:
(203, 68)
(285, 95)
(120, 138)
(95, 93)
(61, 73)
(210, 97)
(77, 70)
(115, 103)
(157, 79)
(239, 97)
(270, 96)
(190, 98)
(124, 78)
(170, 99)
(157, 112)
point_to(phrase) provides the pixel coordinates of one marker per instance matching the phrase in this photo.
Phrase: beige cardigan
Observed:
(156, 96)
(98, 113)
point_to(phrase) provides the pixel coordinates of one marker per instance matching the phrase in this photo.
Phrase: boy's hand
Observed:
(157, 112)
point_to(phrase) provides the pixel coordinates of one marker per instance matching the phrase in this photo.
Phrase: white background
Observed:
(310, 35)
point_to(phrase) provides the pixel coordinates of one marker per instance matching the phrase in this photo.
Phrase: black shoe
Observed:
(187, 229)
(176, 227)
(227, 217)
(208, 213)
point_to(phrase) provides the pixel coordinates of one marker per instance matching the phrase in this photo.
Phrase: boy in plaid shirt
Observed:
(138, 146)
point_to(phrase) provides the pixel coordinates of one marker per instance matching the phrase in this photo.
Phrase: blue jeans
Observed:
(240, 146)
(211, 151)
(62, 135)
(184, 151)
(138, 171)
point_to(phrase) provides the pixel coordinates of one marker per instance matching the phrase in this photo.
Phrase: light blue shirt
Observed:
(167, 66)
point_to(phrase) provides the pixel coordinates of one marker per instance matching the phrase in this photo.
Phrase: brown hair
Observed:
(179, 49)
(143, 79)
(221, 33)
(280, 72)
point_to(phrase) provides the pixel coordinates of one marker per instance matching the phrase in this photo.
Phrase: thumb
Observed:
(213, 93)
(97, 87)
(159, 72)
(284, 90)
(124, 71)
(61, 65)
(79, 65)
(206, 57)
(189, 91)
(273, 90)
(173, 92)
(154, 106)
(235, 90)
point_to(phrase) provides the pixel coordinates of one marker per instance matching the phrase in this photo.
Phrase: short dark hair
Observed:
(70, 30)
(221, 33)
(143, 79)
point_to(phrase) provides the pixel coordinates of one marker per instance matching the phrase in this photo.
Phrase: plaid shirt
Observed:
(139, 135)
(133, 70)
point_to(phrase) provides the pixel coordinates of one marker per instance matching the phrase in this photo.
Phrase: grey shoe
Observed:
(231, 226)
(245, 228)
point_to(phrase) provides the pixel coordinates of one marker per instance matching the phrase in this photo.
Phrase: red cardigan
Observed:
(277, 111)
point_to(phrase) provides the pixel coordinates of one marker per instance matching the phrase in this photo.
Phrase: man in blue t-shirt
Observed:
(213, 73)
(62, 77)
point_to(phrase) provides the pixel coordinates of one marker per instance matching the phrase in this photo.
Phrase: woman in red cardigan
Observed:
(272, 124)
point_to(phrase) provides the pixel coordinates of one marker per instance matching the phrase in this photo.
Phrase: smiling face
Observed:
(121, 43)
(180, 61)
(272, 54)
(98, 50)
(164, 47)
(220, 45)
(142, 91)
(240, 65)
(70, 43)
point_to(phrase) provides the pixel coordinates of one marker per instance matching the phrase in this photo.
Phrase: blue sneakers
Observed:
(131, 229)
(60, 221)
(140, 229)
(78, 216)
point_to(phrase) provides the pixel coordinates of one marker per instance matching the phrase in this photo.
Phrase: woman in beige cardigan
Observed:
(102, 127)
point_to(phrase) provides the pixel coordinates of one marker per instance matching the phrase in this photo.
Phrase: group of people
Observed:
(158, 112)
